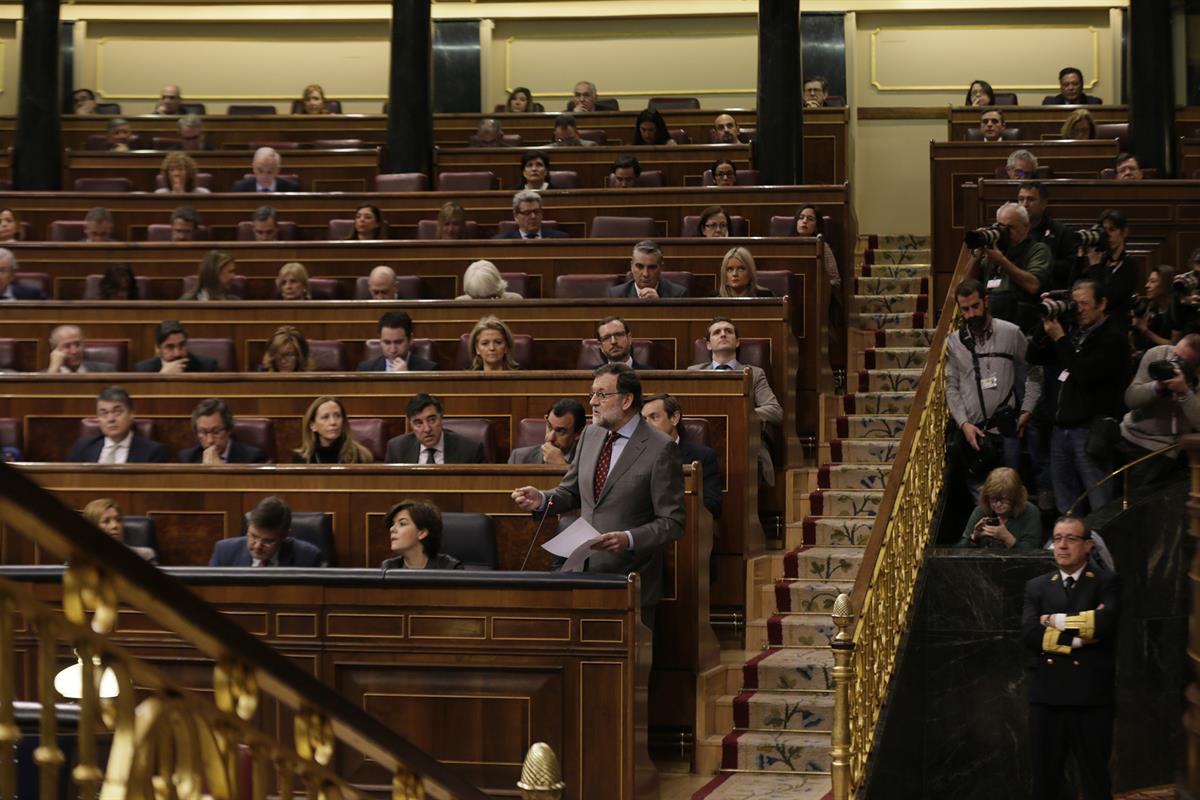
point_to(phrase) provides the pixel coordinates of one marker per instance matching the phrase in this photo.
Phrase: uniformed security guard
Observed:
(1069, 627)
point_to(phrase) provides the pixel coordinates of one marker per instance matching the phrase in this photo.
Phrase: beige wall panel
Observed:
(220, 64)
(929, 58)
(10, 65)
(632, 60)
(891, 175)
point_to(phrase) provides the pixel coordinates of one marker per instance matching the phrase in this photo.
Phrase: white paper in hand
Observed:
(574, 544)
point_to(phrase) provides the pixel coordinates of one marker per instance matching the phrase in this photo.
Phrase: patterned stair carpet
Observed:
(782, 716)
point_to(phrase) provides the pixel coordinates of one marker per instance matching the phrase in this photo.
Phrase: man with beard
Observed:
(983, 361)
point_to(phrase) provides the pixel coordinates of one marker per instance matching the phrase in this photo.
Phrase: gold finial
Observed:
(843, 615)
(541, 778)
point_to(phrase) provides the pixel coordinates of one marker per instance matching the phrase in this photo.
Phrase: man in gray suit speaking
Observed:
(627, 481)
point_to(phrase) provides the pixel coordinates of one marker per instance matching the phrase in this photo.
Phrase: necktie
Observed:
(109, 455)
(263, 564)
(724, 366)
(1069, 584)
(603, 464)
(429, 453)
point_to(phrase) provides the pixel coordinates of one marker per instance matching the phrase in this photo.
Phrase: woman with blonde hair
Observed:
(1080, 125)
(314, 100)
(214, 278)
(178, 174)
(452, 221)
(287, 351)
(292, 282)
(739, 277)
(1004, 517)
(482, 281)
(491, 346)
(105, 514)
(325, 436)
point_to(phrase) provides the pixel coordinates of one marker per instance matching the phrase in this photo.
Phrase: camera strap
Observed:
(969, 342)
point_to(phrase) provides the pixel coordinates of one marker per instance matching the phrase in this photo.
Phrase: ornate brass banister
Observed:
(883, 590)
(1123, 472)
(200, 738)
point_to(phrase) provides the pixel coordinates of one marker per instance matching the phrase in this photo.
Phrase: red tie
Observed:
(603, 464)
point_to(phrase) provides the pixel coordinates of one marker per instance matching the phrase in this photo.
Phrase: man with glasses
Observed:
(527, 212)
(647, 282)
(9, 288)
(117, 442)
(1021, 164)
(627, 481)
(212, 422)
(1069, 629)
(1015, 272)
(267, 543)
(616, 342)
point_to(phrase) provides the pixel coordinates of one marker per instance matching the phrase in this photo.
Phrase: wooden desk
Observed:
(1036, 122)
(319, 170)
(458, 665)
(952, 164)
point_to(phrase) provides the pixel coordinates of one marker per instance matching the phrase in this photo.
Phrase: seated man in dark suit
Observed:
(191, 133)
(9, 288)
(664, 412)
(266, 543)
(616, 342)
(117, 443)
(395, 339)
(816, 92)
(173, 358)
(1070, 83)
(564, 423)
(527, 211)
(266, 165)
(67, 353)
(428, 442)
(647, 282)
(212, 422)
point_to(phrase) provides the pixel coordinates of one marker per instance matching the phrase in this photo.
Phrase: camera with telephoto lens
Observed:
(1093, 238)
(1186, 283)
(1162, 370)
(1138, 305)
(993, 236)
(1057, 305)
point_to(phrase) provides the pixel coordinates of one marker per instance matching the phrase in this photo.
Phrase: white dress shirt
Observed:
(116, 452)
(439, 451)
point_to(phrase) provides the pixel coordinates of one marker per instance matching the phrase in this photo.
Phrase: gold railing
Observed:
(173, 742)
(865, 648)
(1124, 473)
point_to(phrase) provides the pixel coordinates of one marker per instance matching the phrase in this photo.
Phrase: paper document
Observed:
(574, 544)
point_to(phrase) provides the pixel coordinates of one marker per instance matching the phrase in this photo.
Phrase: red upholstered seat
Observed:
(66, 230)
(467, 181)
(679, 136)
(238, 287)
(425, 348)
(742, 177)
(1006, 98)
(159, 232)
(219, 349)
(584, 285)
(204, 180)
(564, 179)
(778, 281)
(673, 101)
(287, 231)
(530, 431)
(648, 178)
(694, 430)
(597, 135)
(236, 110)
(274, 144)
(408, 287)
(750, 351)
(738, 226)
(88, 426)
(622, 227)
(340, 229)
(115, 352)
(518, 282)
(369, 432)
(103, 185)
(1115, 130)
(337, 144)
(10, 433)
(324, 289)
(522, 351)
(329, 355)
(428, 229)
(192, 108)
(91, 287)
(401, 182)
(782, 226)
(590, 356)
(258, 432)
(476, 429)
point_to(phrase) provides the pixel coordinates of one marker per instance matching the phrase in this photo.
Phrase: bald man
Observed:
(382, 283)
(725, 130)
(67, 353)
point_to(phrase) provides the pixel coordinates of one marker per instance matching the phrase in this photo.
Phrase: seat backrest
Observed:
(679, 136)
(738, 226)
(467, 181)
(337, 144)
(159, 232)
(66, 230)
(8, 353)
(597, 135)
(428, 229)
(741, 177)
(91, 287)
(584, 285)
(590, 356)
(286, 231)
(369, 432)
(329, 355)
(778, 281)
(471, 538)
(108, 108)
(34, 280)
(103, 185)
(602, 104)
(1008, 134)
(1115, 130)
(10, 432)
(694, 430)
(144, 427)
(513, 139)
(334, 106)
(192, 108)
(425, 348)
(624, 227)
(673, 101)
(408, 287)
(1108, 174)
(314, 527)
(258, 432)
(781, 226)
(1006, 98)
(518, 282)
(648, 178)
(750, 351)
(140, 532)
(324, 289)
(219, 349)
(115, 352)
(165, 143)
(401, 182)
(530, 431)
(249, 110)
(522, 351)
(204, 180)
(238, 287)
(564, 179)
(340, 229)
(274, 144)
(478, 430)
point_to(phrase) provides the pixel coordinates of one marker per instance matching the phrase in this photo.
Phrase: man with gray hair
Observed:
(266, 178)
(98, 225)
(1015, 269)
(489, 134)
(647, 282)
(382, 283)
(67, 353)
(264, 224)
(9, 288)
(1021, 164)
(527, 211)
(584, 97)
(191, 133)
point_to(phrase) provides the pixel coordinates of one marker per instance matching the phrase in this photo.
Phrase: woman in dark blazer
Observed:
(415, 528)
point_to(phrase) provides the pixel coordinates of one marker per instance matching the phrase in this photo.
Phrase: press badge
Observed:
(1062, 376)
(989, 382)
(994, 283)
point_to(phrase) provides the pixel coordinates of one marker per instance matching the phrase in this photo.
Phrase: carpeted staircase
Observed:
(767, 724)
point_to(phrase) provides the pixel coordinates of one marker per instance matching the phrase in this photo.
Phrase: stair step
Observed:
(888, 304)
(873, 426)
(890, 285)
(783, 751)
(888, 380)
(791, 711)
(895, 357)
(863, 451)
(827, 562)
(895, 271)
(893, 403)
(807, 595)
(904, 337)
(844, 502)
(883, 320)
(789, 670)
(830, 531)
(853, 476)
(798, 629)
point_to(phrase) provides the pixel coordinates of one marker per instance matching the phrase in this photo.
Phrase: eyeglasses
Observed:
(602, 396)
(530, 212)
(610, 336)
(1071, 539)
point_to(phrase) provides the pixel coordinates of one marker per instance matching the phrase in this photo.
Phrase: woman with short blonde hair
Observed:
(292, 282)
(287, 351)
(738, 277)
(1080, 125)
(482, 281)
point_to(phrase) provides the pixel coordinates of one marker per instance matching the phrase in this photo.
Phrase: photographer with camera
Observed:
(1092, 354)
(1163, 406)
(1004, 517)
(1186, 291)
(983, 361)
(1014, 267)
(1153, 313)
(1103, 259)
(1034, 197)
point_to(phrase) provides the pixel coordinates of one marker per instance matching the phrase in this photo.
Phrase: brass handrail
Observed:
(1123, 471)
(883, 590)
(200, 740)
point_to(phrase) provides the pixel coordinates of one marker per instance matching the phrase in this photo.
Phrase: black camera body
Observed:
(1138, 305)
(1186, 283)
(994, 235)
(1094, 237)
(1162, 370)
(1058, 305)
(993, 521)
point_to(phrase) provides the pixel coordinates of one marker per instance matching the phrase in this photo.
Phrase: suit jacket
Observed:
(292, 553)
(1059, 100)
(251, 185)
(643, 495)
(440, 561)
(533, 454)
(713, 484)
(96, 366)
(1056, 674)
(547, 233)
(406, 449)
(665, 289)
(416, 363)
(238, 454)
(767, 406)
(23, 292)
(196, 363)
(141, 450)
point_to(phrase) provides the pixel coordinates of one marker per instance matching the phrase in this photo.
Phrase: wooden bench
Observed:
(1036, 122)
(472, 669)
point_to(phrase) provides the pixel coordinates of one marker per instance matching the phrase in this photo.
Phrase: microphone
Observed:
(536, 532)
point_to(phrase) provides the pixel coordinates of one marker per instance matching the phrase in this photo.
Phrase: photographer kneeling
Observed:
(1163, 405)
(1013, 266)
